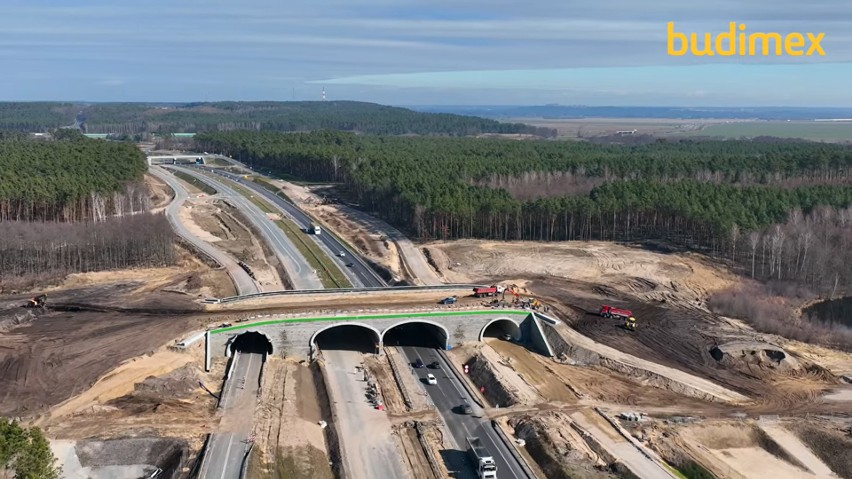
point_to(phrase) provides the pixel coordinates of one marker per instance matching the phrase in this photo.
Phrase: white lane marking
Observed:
(227, 453)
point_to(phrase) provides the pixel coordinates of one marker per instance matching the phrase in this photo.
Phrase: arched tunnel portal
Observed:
(347, 336)
(416, 332)
(499, 328)
(251, 342)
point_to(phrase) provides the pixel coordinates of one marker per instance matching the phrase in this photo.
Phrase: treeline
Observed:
(36, 116)
(36, 253)
(369, 118)
(690, 193)
(813, 249)
(71, 179)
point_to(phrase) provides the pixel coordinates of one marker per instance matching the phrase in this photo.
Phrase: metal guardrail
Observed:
(445, 287)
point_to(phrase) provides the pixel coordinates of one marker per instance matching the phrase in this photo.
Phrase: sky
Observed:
(398, 52)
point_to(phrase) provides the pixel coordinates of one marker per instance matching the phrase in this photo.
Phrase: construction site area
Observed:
(471, 359)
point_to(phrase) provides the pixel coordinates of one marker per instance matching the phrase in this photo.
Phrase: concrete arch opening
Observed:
(417, 332)
(501, 328)
(251, 342)
(347, 337)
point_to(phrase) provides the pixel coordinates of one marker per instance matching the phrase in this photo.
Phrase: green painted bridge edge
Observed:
(369, 317)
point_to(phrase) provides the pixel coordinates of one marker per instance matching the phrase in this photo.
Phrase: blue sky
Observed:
(593, 52)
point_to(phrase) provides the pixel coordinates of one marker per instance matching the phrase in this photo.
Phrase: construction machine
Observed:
(36, 301)
(630, 323)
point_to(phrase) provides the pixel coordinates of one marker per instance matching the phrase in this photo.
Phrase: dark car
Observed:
(349, 265)
(465, 408)
(434, 365)
(418, 363)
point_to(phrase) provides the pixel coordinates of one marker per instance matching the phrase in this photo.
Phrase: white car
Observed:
(341, 254)
(430, 378)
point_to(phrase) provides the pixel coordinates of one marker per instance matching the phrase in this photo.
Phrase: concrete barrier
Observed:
(512, 450)
(430, 456)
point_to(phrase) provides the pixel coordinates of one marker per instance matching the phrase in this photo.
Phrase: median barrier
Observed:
(461, 379)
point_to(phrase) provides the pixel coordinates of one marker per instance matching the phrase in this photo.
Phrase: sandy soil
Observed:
(119, 382)
(413, 451)
(223, 223)
(643, 274)
(159, 192)
(380, 370)
(149, 396)
(289, 439)
(683, 339)
(552, 442)
(37, 358)
(739, 447)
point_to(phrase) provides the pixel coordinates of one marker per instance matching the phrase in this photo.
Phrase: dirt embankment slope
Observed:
(57, 354)
(667, 294)
(644, 274)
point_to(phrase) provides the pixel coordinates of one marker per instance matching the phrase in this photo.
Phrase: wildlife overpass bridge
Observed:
(300, 336)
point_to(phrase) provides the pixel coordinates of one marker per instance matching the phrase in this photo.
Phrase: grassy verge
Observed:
(329, 274)
(217, 162)
(269, 186)
(195, 182)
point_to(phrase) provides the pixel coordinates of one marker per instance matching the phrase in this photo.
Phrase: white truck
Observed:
(314, 229)
(486, 468)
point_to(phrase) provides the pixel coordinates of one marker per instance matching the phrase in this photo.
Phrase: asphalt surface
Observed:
(227, 447)
(364, 274)
(301, 275)
(447, 396)
(242, 281)
(369, 450)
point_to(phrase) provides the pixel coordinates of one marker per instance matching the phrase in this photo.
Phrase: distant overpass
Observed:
(174, 159)
(297, 336)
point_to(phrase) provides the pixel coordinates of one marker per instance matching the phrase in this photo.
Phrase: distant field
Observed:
(588, 127)
(675, 127)
(830, 131)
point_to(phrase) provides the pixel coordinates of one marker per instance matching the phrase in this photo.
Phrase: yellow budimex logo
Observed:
(731, 43)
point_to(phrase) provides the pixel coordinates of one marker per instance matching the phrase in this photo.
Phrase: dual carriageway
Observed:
(227, 450)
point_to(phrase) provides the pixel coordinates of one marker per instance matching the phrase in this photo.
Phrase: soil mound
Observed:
(180, 383)
(756, 358)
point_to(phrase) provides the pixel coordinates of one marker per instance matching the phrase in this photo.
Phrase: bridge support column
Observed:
(207, 351)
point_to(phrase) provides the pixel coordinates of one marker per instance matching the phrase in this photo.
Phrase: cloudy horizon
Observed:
(469, 52)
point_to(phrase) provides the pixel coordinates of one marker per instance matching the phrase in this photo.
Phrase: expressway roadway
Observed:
(227, 447)
(243, 283)
(300, 273)
(373, 453)
(362, 272)
(447, 397)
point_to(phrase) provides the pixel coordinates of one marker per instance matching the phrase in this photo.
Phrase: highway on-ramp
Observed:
(301, 275)
(227, 448)
(447, 396)
(364, 274)
(243, 283)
